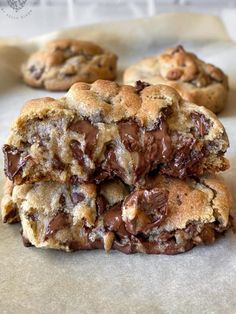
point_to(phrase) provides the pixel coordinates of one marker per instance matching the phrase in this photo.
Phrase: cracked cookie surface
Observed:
(164, 216)
(104, 130)
(63, 62)
(196, 81)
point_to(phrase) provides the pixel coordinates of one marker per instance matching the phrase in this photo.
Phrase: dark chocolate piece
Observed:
(32, 216)
(77, 152)
(62, 200)
(125, 246)
(157, 149)
(77, 197)
(140, 85)
(112, 218)
(26, 242)
(113, 221)
(151, 209)
(58, 222)
(157, 143)
(13, 161)
(12, 216)
(202, 124)
(90, 131)
(57, 163)
(186, 159)
(129, 134)
(74, 180)
(110, 167)
(101, 203)
(207, 235)
(37, 71)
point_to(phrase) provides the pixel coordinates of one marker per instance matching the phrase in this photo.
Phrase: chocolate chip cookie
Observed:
(164, 216)
(63, 62)
(196, 81)
(104, 130)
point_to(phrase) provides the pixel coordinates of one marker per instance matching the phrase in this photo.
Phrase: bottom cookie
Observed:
(166, 216)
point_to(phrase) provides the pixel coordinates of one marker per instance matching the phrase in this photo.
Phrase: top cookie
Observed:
(102, 130)
(63, 62)
(196, 81)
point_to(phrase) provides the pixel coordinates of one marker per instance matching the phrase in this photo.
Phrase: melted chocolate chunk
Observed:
(162, 243)
(110, 167)
(158, 143)
(84, 242)
(77, 152)
(165, 113)
(76, 245)
(26, 241)
(77, 197)
(123, 246)
(13, 161)
(140, 85)
(97, 244)
(101, 203)
(101, 175)
(85, 127)
(186, 159)
(58, 222)
(74, 180)
(208, 234)
(169, 248)
(165, 242)
(36, 71)
(57, 164)
(112, 218)
(129, 134)
(11, 216)
(202, 124)
(158, 149)
(151, 209)
(32, 216)
(62, 200)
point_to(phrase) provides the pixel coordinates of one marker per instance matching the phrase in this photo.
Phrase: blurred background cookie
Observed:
(196, 81)
(63, 62)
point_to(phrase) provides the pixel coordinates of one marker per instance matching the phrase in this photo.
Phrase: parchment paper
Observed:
(45, 281)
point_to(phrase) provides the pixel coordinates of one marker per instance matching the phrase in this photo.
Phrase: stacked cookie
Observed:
(117, 167)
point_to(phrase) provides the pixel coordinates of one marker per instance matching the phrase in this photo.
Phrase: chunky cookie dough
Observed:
(105, 130)
(196, 81)
(63, 62)
(164, 216)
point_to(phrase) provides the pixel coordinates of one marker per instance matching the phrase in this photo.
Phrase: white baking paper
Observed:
(46, 281)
